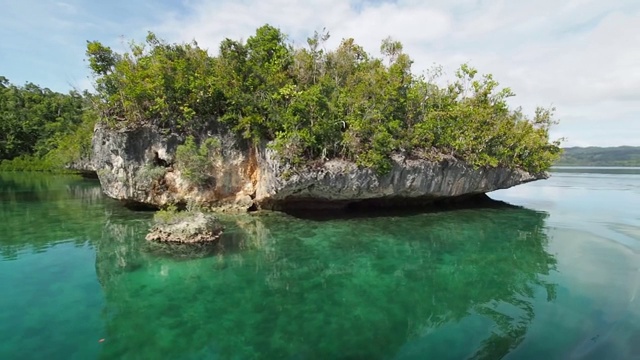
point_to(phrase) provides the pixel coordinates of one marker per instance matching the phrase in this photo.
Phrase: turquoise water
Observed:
(557, 278)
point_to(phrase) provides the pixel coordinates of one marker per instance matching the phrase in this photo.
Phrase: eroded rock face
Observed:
(119, 158)
(137, 167)
(337, 182)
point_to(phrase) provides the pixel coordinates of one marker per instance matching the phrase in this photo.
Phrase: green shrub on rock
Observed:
(150, 172)
(195, 161)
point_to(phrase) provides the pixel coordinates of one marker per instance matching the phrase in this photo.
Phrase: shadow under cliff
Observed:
(385, 207)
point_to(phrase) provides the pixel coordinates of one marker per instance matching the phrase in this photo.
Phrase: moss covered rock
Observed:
(185, 228)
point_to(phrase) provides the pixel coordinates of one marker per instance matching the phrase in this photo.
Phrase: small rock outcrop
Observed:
(185, 228)
(138, 167)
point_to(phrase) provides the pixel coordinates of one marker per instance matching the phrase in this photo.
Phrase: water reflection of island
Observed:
(360, 288)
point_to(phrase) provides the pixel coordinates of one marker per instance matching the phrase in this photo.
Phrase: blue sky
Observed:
(581, 56)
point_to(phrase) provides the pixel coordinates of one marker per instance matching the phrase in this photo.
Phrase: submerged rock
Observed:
(137, 167)
(185, 228)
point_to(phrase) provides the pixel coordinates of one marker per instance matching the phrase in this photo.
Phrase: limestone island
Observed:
(267, 125)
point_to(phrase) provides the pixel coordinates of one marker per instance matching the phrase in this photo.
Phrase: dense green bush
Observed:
(314, 104)
(27, 163)
(194, 161)
(150, 172)
(169, 215)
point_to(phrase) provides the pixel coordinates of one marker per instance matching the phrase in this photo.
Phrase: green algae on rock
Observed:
(185, 228)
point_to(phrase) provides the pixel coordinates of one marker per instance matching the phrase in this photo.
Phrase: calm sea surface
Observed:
(557, 277)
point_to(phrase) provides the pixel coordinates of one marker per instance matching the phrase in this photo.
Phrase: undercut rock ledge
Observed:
(138, 168)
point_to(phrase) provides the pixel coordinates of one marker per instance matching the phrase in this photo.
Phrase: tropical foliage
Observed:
(41, 129)
(193, 160)
(308, 102)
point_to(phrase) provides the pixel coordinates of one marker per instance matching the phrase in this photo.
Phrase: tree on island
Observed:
(310, 104)
(315, 104)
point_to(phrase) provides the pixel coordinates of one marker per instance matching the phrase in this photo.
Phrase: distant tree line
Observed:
(41, 129)
(600, 156)
(315, 104)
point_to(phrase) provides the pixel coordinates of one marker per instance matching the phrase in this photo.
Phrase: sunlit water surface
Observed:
(556, 278)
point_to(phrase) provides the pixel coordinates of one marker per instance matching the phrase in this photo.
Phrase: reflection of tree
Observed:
(37, 211)
(523, 278)
(119, 250)
(360, 288)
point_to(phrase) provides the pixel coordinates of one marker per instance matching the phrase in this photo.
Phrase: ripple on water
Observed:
(482, 283)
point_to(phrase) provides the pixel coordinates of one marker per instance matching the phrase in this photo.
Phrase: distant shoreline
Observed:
(592, 167)
(597, 170)
(620, 156)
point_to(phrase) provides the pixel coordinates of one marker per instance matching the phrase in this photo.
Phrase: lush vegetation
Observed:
(600, 156)
(194, 160)
(41, 129)
(169, 215)
(310, 103)
(315, 104)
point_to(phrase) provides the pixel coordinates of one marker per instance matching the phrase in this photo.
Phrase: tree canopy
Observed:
(37, 124)
(313, 104)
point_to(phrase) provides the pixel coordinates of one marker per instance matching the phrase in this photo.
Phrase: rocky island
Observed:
(242, 178)
(185, 228)
(264, 125)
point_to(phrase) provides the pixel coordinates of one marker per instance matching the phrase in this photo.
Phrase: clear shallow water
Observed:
(557, 279)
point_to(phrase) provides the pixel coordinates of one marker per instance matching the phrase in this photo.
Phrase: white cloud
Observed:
(69, 8)
(43, 41)
(581, 56)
